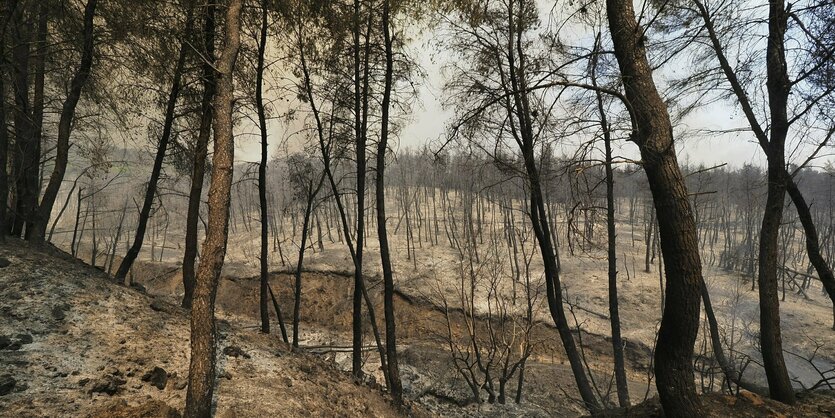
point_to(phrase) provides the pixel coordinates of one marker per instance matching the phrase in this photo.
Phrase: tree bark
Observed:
(614, 314)
(359, 138)
(262, 169)
(778, 86)
(679, 244)
(297, 289)
(200, 153)
(33, 158)
(65, 126)
(203, 332)
(395, 386)
(520, 110)
(773, 144)
(813, 242)
(24, 129)
(162, 148)
(6, 11)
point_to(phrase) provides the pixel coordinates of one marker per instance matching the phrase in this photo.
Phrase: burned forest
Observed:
(386, 208)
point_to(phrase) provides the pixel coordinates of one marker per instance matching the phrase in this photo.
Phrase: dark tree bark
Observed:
(297, 289)
(203, 332)
(679, 244)
(22, 30)
(813, 242)
(65, 127)
(614, 314)
(359, 137)
(162, 148)
(5, 11)
(520, 110)
(777, 84)
(359, 285)
(728, 369)
(395, 386)
(262, 170)
(773, 144)
(33, 157)
(200, 153)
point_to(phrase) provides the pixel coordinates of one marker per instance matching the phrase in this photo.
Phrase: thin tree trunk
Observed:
(297, 290)
(614, 315)
(520, 110)
(200, 153)
(162, 148)
(65, 127)
(356, 357)
(33, 173)
(203, 333)
(262, 169)
(778, 86)
(4, 135)
(77, 218)
(395, 386)
(117, 236)
(813, 243)
(24, 129)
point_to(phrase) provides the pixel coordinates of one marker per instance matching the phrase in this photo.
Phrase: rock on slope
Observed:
(74, 344)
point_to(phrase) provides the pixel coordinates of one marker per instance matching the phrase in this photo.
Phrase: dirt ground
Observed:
(83, 346)
(426, 277)
(429, 276)
(80, 345)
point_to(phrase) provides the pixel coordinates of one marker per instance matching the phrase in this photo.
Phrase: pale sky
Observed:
(428, 120)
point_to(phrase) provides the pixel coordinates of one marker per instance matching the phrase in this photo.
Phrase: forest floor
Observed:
(75, 344)
(429, 274)
(429, 374)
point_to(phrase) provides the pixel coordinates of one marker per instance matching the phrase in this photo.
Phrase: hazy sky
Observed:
(428, 120)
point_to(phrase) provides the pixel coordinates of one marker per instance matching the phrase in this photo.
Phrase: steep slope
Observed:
(72, 343)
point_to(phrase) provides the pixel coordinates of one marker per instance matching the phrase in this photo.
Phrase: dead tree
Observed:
(262, 172)
(162, 148)
(393, 372)
(301, 173)
(4, 137)
(614, 315)
(65, 125)
(772, 140)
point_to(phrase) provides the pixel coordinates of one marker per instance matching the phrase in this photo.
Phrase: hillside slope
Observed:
(74, 344)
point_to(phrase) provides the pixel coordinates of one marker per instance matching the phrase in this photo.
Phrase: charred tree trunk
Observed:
(65, 127)
(297, 290)
(653, 134)
(262, 170)
(24, 129)
(341, 208)
(728, 369)
(359, 137)
(771, 341)
(395, 386)
(202, 364)
(4, 134)
(162, 148)
(200, 153)
(773, 144)
(614, 315)
(813, 242)
(33, 158)
(524, 135)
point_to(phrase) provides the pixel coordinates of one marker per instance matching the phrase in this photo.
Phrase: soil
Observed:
(84, 345)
